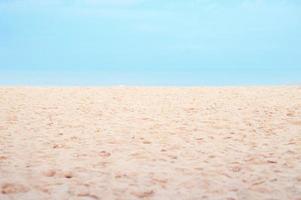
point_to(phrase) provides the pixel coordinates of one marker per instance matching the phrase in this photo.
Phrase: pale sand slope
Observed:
(151, 143)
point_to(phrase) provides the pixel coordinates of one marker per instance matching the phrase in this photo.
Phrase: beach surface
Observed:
(150, 143)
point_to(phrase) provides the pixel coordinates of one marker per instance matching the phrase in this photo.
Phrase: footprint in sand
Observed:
(10, 188)
(68, 175)
(144, 194)
(88, 195)
(290, 114)
(58, 146)
(60, 173)
(296, 123)
(3, 157)
(236, 168)
(104, 154)
(49, 173)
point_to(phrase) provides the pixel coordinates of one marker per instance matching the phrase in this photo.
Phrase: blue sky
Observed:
(144, 42)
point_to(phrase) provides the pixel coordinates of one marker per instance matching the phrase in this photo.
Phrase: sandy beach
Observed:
(150, 143)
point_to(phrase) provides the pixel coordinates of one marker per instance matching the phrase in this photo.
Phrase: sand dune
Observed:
(150, 143)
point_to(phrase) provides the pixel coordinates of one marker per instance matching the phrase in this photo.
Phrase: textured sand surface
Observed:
(150, 143)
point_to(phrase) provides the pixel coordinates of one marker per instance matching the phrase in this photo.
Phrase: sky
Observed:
(150, 42)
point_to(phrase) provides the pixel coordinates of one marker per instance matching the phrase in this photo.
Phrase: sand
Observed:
(150, 143)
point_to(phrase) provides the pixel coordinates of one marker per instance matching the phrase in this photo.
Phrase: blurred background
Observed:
(143, 42)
